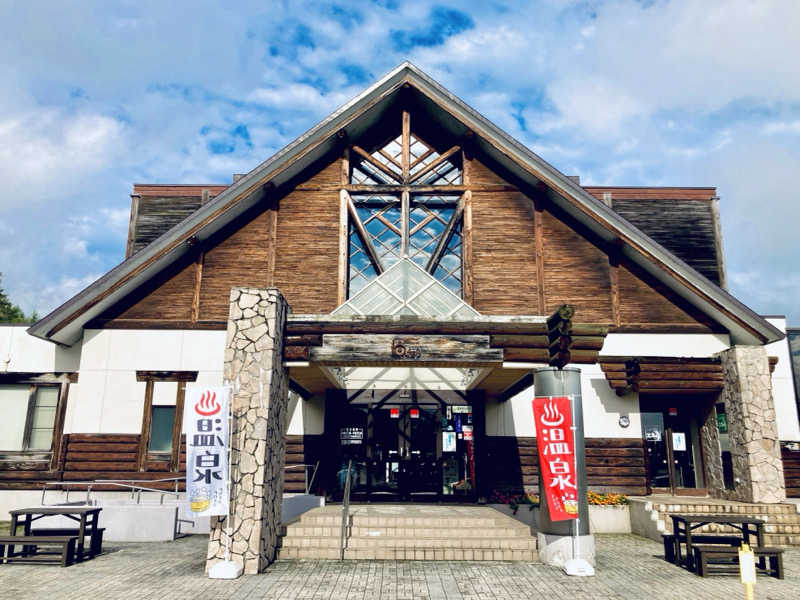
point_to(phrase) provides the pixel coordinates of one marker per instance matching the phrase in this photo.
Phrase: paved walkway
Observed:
(628, 567)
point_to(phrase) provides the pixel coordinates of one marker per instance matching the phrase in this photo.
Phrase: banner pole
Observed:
(576, 526)
(230, 501)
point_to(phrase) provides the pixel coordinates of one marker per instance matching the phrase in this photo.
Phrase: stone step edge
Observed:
(406, 532)
(404, 522)
(417, 555)
(362, 543)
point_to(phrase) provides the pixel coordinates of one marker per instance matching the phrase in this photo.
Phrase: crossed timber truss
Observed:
(405, 199)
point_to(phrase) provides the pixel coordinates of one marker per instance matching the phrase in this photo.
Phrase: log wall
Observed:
(612, 464)
(791, 472)
(92, 456)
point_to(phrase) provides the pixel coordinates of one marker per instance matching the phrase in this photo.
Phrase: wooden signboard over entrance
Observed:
(407, 351)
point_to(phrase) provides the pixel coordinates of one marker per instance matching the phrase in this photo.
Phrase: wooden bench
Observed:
(716, 559)
(60, 549)
(671, 548)
(95, 544)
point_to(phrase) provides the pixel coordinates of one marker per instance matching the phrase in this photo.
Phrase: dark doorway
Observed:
(417, 447)
(672, 441)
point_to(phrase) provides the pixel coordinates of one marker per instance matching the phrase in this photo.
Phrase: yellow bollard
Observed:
(747, 570)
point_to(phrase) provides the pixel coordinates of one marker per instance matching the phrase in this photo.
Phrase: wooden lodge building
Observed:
(420, 250)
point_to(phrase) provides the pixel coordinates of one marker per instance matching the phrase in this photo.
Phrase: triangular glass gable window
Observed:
(406, 289)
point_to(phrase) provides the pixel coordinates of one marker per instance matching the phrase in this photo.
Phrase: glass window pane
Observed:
(163, 418)
(44, 417)
(14, 404)
(47, 396)
(41, 439)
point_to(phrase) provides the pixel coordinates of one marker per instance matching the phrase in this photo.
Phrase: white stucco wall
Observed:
(107, 397)
(783, 392)
(681, 345)
(602, 409)
(23, 353)
(308, 416)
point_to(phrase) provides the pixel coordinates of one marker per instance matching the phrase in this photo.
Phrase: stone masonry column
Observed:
(254, 366)
(755, 449)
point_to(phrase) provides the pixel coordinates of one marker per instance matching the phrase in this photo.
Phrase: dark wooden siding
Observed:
(240, 260)
(504, 250)
(684, 227)
(301, 450)
(791, 472)
(644, 301)
(575, 272)
(306, 263)
(612, 464)
(157, 215)
(92, 456)
(171, 300)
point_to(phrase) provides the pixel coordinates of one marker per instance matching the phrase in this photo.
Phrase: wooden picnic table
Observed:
(88, 524)
(684, 524)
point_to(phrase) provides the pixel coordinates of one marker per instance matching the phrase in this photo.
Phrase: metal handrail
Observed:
(132, 484)
(345, 510)
(308, 483)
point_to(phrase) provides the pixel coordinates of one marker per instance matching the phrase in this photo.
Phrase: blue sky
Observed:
(100, 95)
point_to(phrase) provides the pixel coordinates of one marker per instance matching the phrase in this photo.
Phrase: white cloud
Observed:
(46, 150)
(677, 93)
(774, 127)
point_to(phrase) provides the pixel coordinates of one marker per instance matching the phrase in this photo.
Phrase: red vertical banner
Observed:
(556, 445)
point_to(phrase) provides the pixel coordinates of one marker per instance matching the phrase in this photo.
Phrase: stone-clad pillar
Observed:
(755, 449)
(254, 365)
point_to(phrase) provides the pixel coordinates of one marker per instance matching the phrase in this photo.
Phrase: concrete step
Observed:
(356, 520)
(738, 509)
(782, 526)
(410, 532)
(409, 554)
(413, 543)
(301, 530)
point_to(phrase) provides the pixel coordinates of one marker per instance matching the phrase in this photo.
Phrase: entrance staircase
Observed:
(409, 532)
(782, 520)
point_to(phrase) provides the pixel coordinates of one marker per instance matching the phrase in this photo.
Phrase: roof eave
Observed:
(746, 326)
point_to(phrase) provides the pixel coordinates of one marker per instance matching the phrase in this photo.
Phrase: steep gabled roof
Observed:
(64, 324)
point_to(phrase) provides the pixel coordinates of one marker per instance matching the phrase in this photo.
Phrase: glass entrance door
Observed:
(403, 452)
(672, 444)
(420, 450)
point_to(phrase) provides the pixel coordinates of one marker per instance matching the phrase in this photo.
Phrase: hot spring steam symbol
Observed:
(207, 405)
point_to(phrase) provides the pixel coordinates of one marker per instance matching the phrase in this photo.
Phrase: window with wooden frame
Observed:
(162, 418)
(29, 416)
(405, 199)
(33, 406)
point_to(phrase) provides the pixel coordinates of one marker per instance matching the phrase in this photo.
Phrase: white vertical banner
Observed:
(205, 420)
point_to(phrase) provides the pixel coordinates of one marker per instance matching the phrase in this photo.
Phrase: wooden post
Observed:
(467, 258)
(198, 281)
(177, 425)
(272, 240)
(406, 145)
(405, 211)
(341, 288)
(538, 233)
(129, 249)
(613, 273)
(144, 437)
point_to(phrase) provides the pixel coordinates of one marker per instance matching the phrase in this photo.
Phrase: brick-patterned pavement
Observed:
(628, 567)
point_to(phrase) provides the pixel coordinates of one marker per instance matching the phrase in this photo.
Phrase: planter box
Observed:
(602, 519)
(609, 519)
